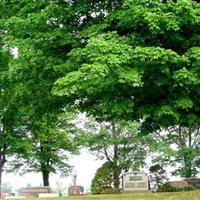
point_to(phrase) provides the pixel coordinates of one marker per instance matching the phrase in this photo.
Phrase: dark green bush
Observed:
(188, 188)
(167, 187)
(110, 191)
(103, 178)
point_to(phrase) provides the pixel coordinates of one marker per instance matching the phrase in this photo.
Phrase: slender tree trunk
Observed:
(2, 163)
(1, 170)
(190, 138)
(188, 159)
(45, 176)
(116, 173)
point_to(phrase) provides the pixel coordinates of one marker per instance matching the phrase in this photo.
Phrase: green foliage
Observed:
(142, 63)
(51, 145)
(119, 142)
(110, 191)
(123, 136)
(188, 188)
(167, 187)
(157, 176)
(117, 60)
(103, 179)
(179, 148)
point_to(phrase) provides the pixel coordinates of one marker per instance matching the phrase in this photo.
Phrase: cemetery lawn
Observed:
(194, 195)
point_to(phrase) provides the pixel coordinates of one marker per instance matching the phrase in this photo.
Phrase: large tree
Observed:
(13, 135)
(142, 64)
(44, 32)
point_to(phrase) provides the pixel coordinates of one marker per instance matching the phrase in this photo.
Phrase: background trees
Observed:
(118, 143)
(179, 148)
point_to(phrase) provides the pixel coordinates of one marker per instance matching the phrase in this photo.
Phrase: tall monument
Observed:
(75, 190)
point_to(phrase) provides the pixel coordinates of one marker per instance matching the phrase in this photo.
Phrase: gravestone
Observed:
(178, 184)
(195, 182)
(34, 191)
(75, 190)
(135, 182)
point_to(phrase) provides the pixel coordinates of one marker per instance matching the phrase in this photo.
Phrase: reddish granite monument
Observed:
(75, 190)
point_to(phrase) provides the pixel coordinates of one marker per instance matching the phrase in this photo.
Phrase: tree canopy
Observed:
(116, 60)
(142, 64)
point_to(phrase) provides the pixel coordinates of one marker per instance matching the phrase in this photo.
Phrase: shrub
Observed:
(110, 191)
(157, 176)
(188, 188)
(167, 187)
(103, 179)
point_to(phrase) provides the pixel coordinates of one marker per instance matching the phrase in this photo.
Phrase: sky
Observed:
(85, 166)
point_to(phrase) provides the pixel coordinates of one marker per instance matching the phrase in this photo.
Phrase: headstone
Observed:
(34, 191)
(195, 182)
(75, 190)
(178, 184)
(135, 182)
(48, 195)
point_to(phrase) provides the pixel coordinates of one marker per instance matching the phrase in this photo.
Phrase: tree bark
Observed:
(45, 176)
(116, 173)
(2, 163)
(116, 178)
(1, 170)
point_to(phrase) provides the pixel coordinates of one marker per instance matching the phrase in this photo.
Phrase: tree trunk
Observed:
(2, 163)
(1, 170)
(116, 178)
(116, 173)
(45, 176)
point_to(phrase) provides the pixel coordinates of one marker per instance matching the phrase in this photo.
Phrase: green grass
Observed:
(195, 195)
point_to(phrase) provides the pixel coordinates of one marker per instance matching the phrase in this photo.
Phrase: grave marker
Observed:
(133, 182)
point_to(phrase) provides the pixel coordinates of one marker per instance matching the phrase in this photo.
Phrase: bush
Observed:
(157, 176)
(188, 188)
(110, 191)
(103, 179)
(167, 187)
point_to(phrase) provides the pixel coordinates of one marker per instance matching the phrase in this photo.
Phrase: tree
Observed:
(143, 66)
(179, 148)
(51, 147)
(44, 32)
(52, 143)
(103, 178)
(117, 142)
(157, 176)
(42, 43)
(13, 136)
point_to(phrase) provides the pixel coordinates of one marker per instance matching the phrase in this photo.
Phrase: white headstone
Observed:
(135, 182)
(48, 195)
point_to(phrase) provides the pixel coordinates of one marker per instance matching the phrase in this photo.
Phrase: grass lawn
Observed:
(137, 196)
